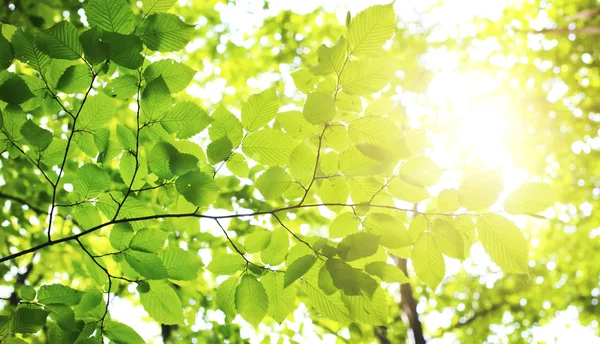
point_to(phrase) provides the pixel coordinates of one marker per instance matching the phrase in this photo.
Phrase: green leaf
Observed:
(331, 59)
(481, 189)
(156, 101)
(380, 107)
(275, 253)
(353, 162)
(97, 111)
(329, 305)
(58, 293)
(165, 32)
(219, 150)
(273, 183)
(344, 224)
(347, 102)
(304, 80)
(166, 161)
(97, 273)
(237, 165)
(269, 146)
(27, 293)
(93, 49)
(6, 53)
(448, 200)
(198, 188)
(296, 126)
(418, 225)
(120, 236)
(14, 91)
(344, 276)
(156, 6)
(407, 192)
(162, 303)
(375, 130)
(334, 191)
(325, 281)
(27, 51)
(386, 272)
(530, 198)
(367, 76)
(76, 79)
(225, 124)
(90, 182)
(39, 138)
(147, 265)
(259, 110)
(64, 317)
(121, 333)
(61, 41)
(358, 245)
(449, 239)
(148, 240)
(125, 50)
(257, 241)
(281, 300)
(370, 311)
(126, 138)
(87, 215)
(428, 261)
(504, 242)
(225, 298)
(181, 265)
(298, 268)
(89, 301)
(110, 15)
(370, 29)
(28, 319)
(420, 171)
(122, 87)
(176, 75)
(251, 300)
(319, 108)
(226, 264)
(391, 230)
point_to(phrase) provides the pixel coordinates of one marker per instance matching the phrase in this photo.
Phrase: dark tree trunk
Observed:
(408, 307)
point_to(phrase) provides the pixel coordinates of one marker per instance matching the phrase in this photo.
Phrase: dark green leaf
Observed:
(39, 138)
(61, 41)
(344, 276)
(165, 32)
(14, 90)
(110, 15)
(358, 245)
(198, 188)
(298, 268)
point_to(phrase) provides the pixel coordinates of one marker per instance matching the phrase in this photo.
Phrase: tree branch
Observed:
(408, 307)
(64, 161)
(213, 217)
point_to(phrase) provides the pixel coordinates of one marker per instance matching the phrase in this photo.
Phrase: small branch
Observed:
(312, 181)
(64, 161)
(137, 148)
(153, 187)
(229, 156)
(239, 251)
(297, 237)
(23, 202)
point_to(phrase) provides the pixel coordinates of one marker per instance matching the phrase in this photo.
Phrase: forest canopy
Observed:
(278, 172)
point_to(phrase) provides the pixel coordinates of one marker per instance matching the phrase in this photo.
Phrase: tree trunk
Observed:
(408, 307)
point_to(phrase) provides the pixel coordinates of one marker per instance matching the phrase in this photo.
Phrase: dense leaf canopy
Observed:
(171, 173)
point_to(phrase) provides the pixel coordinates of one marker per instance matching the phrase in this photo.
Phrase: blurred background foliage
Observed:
(535, 62)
